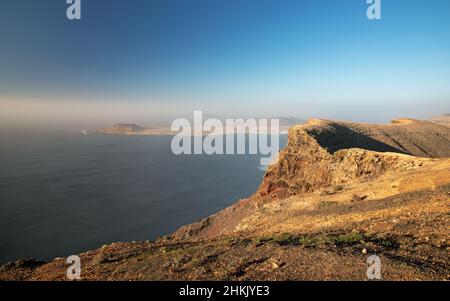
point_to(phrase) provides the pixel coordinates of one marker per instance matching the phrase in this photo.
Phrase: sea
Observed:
(69, 192)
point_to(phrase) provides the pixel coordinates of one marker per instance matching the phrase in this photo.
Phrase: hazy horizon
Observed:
(77, 115)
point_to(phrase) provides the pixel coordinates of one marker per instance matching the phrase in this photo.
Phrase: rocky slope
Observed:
(443, 119)
(338, 193)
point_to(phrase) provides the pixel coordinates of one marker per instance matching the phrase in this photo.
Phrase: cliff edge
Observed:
(329, 155)
(339, 192)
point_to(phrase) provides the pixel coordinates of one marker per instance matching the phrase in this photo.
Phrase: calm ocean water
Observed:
(62, 194)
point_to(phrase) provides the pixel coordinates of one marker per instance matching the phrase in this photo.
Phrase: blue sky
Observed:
(249, 57)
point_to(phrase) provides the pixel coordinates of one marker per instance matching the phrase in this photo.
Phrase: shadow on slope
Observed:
(339, 137)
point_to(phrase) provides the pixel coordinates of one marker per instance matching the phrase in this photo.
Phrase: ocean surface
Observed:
(65, 193)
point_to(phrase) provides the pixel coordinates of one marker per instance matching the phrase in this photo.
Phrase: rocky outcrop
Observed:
(405, 135)
(325, 154)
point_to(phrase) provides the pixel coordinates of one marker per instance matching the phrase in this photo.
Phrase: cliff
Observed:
(339, 192)
(325, 155)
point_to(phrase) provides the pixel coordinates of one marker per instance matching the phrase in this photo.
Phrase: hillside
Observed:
(443, 119)
(339, 192)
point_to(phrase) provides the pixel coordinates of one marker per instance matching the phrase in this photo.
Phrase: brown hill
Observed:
(407, 136)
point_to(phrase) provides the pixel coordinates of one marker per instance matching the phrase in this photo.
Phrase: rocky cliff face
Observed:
(327, 156)
(326, 153)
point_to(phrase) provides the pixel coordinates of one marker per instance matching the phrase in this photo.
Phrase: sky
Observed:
(152, 61)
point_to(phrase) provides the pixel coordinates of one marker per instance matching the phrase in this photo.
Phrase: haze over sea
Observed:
(65, 193)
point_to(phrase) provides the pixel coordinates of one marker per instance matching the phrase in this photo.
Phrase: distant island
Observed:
(132, 129)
